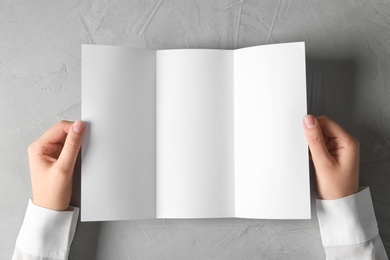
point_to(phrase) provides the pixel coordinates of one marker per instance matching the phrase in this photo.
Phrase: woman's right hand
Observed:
(335, 155)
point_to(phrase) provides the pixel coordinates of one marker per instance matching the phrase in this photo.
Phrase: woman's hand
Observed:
(335, 155)
(52, 159)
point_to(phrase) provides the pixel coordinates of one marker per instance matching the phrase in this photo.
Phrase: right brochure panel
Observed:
(271, 154)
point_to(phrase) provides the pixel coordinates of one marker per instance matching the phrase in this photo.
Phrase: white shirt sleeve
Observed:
(45, 234)
(349, 229)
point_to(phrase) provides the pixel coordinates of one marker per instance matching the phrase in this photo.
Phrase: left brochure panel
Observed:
(118, 102)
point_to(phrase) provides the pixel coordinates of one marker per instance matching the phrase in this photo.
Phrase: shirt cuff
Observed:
(349, 220)
(47, 233)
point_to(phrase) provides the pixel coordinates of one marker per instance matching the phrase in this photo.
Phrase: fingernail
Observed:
(78, 126)
(309, 121)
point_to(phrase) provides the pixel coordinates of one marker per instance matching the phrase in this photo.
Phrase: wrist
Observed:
(51, 205)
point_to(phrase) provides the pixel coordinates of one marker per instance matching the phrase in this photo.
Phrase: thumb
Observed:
(315, 139)
(68, 156)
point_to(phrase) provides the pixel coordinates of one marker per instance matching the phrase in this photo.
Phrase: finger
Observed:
(335, 145)
(68, 156)
(340, 139)
(51, 142)
(315, 140)
(326, 139)
(57, 133)
(331, 129)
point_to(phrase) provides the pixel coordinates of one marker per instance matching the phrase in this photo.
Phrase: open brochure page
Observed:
(118, 103)
(271, 160)
(195, 134)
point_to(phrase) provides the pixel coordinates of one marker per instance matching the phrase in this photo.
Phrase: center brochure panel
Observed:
(194, 133)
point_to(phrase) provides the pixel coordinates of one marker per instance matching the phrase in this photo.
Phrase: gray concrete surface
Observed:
(348, 79)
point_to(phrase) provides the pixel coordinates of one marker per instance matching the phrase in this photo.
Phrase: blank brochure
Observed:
(194, 133)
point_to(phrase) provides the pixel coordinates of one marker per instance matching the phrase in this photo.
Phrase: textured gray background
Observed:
(348, 77)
